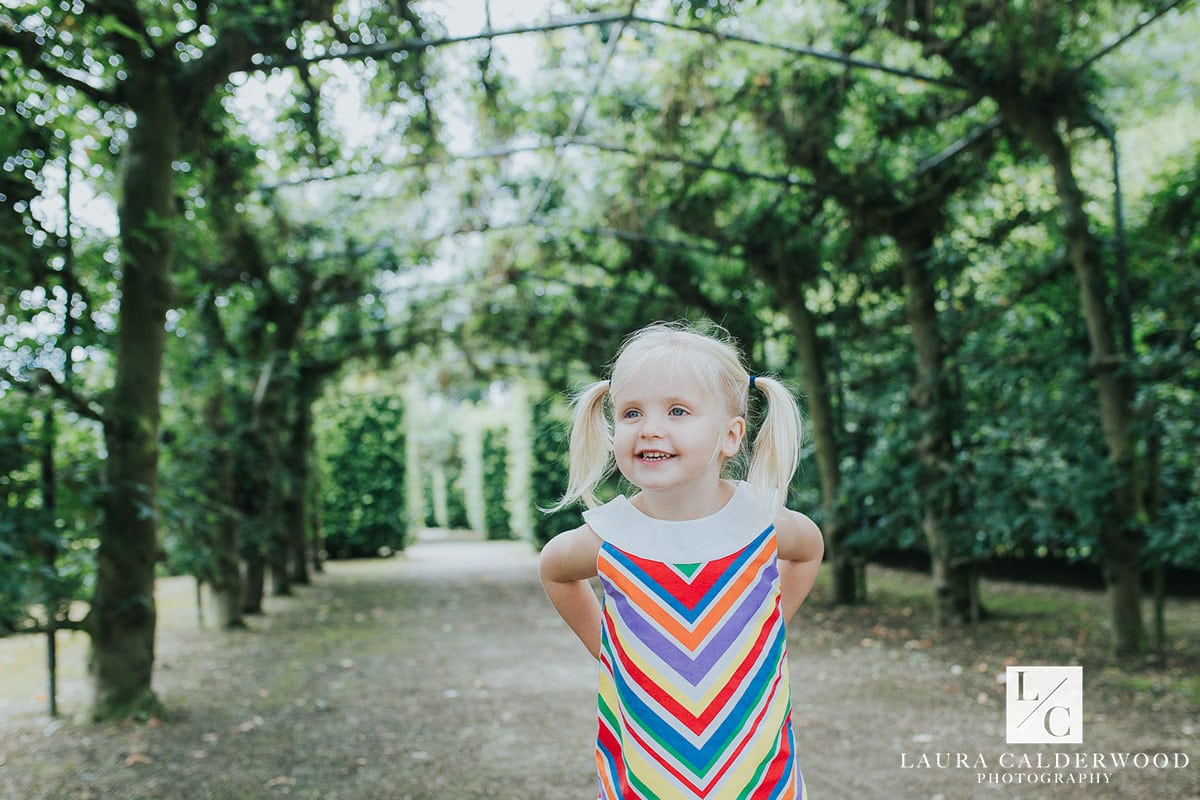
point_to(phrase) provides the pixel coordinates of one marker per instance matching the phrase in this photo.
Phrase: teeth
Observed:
(656, 456)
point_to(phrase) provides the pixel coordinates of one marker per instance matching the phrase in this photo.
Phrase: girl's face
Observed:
(671, 434)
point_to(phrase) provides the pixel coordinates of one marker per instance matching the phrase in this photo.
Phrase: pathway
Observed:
(445, 674)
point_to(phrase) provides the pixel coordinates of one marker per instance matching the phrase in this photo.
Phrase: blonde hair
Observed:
(711, 355)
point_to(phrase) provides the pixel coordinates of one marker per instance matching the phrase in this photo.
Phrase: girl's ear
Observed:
(731, 441)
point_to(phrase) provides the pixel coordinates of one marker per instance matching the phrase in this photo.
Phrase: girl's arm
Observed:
(801, 547)
(567, 562)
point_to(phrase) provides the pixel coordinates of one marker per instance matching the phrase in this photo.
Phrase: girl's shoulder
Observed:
(798, 537)
(571, 555)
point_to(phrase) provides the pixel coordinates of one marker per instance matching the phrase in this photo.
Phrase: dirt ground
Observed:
(444, 673)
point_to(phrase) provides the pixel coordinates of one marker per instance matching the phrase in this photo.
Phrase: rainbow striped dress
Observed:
(694, 698)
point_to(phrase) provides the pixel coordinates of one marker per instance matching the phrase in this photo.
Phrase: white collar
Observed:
(737, 523)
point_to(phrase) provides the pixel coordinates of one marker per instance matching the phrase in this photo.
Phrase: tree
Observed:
(170, 63)
(1035, 62)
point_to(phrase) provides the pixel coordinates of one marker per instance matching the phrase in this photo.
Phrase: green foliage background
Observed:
(551, 466)
(497, 520)
(362, 476)
(479, 229)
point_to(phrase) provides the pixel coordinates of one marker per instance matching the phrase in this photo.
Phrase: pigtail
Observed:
(590, 449)
(776, 451)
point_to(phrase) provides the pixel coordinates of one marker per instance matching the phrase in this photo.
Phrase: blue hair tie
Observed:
(751, 381)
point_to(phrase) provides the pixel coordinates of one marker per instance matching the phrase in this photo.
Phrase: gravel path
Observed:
(444, 673)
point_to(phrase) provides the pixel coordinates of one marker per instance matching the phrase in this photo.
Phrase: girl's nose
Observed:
(652, 427)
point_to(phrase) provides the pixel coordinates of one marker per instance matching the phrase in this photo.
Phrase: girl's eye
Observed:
(677, 412)
(630, 414)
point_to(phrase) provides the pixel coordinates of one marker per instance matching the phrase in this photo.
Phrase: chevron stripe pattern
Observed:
(694, 699)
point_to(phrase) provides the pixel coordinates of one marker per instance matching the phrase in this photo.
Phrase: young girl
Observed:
(699, 572)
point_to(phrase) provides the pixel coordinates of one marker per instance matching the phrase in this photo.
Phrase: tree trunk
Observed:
(937, 404)
(122, 618)
(295, 511)
(279, 553)
(1153, 506)
(295, 519)
(276, 489)
(254, 584)
(225, 578)
(254, 487)
(315, 524)
(1122, 533)
(48, 544)
(810, 347)
(260, 487)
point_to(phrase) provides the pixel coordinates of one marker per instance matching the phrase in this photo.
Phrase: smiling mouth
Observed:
(654, 455)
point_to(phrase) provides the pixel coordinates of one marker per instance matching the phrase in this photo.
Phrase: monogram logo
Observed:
(1044, 705)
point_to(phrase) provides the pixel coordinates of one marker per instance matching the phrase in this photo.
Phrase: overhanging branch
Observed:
(539, 194)
(1134, 31)
(939, 160)
(30, 51)
(413, 44)
(44, 378)
(785, 179)
(420, 43)
(807, 52)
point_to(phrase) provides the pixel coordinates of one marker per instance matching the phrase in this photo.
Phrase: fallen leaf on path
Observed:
(254, 722)
(138, 758)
